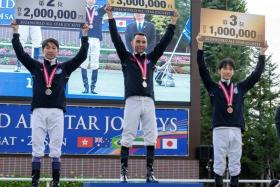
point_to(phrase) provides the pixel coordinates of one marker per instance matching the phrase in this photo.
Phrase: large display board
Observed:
(172, 83)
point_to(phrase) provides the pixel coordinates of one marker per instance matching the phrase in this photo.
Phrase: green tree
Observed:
(160, 22)
(184, 9)
(230, 5)
(261, 146)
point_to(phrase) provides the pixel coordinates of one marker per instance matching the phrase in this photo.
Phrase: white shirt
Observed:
(52, 61)
(141, 25)
(226, 81)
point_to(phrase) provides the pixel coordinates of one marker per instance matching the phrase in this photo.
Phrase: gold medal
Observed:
(48, 91)
(144, 84)
(230, 109)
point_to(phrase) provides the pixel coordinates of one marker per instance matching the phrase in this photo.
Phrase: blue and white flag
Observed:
(187, 31)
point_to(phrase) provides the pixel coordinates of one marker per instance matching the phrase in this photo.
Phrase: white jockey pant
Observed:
(227, 142)
(47, 121)
(139, 109)
(92, 61)
(35, 34)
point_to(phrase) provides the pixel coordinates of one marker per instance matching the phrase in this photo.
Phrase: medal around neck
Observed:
(143, 69)
(230, 109)
(49, 79)
(90, 16)
(48, 91)
(228, 96)
(144, 84)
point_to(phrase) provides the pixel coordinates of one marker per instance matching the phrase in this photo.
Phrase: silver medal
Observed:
(144, 84)
(48, 91)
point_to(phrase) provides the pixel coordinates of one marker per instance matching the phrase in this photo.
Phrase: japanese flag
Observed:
(121, 23)
(169, 143)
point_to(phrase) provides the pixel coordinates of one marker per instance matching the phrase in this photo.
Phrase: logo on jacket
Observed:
(235, 90)
(58, 71)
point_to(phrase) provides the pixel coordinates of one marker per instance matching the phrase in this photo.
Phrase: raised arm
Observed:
(165, 40)
(277, 120)
(81, 56)
(254, 77)
(203, 71)
(22, 56)
(116, 38)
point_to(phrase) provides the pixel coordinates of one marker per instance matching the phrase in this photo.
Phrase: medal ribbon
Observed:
(90, 15)
(229, 96)
(49, 79)
(143, 68)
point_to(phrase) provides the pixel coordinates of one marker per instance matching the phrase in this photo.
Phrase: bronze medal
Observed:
(230, 109)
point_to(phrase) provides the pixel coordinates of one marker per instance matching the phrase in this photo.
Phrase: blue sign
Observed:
(6, 11)
(94, 131)
(20, 85)
(16, 84)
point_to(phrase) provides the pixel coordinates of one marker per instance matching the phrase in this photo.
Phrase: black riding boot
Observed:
(124, 163)
(35, 173)
(150, 162)
(93, 81)
(55, 174)
(85, 80)
(234, 181)
(218, 180)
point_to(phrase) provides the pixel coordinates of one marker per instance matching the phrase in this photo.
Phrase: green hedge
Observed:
(42, 184)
